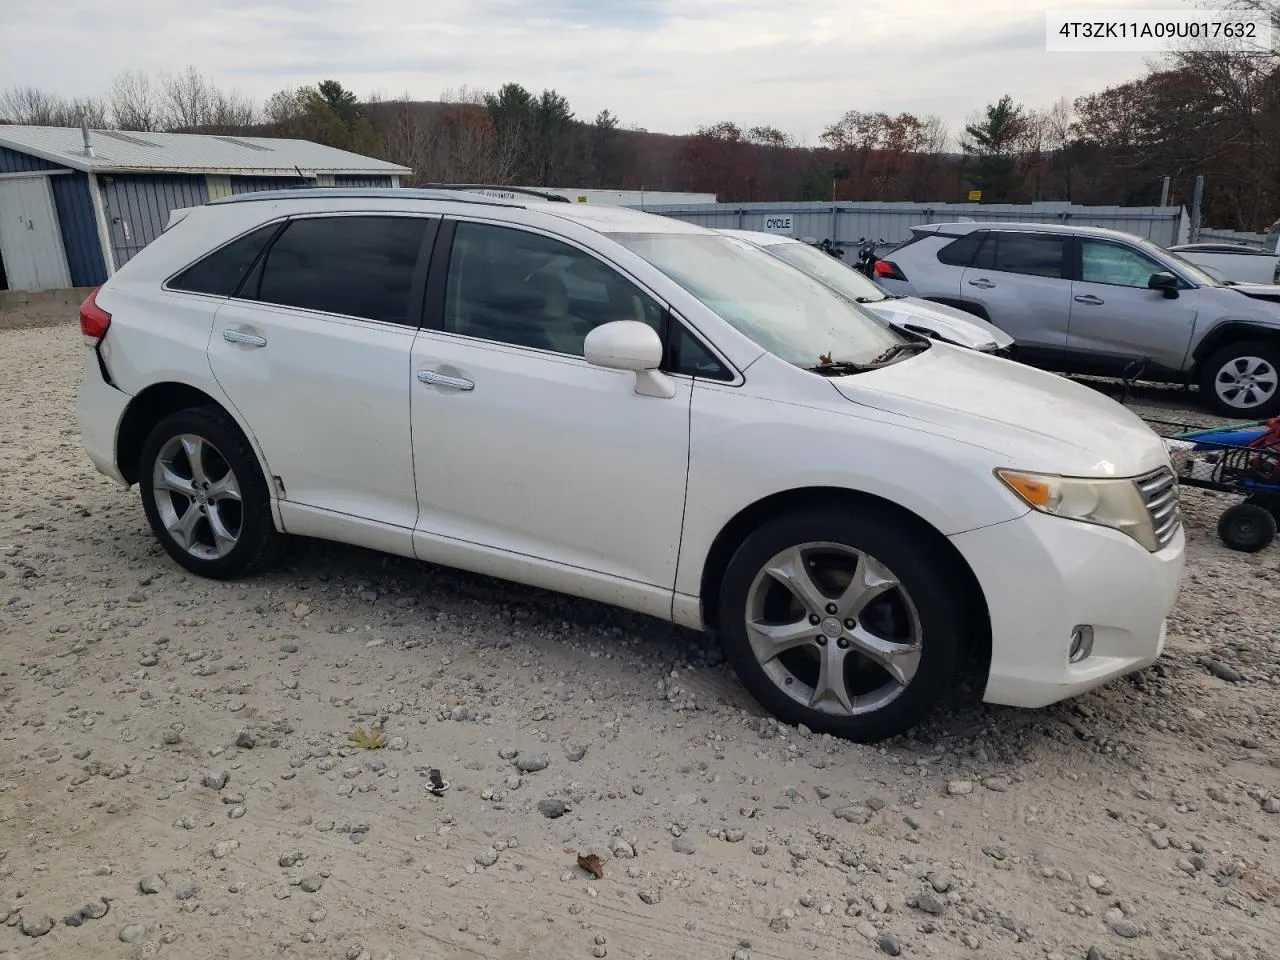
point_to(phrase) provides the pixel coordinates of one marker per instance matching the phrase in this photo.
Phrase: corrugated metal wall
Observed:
(13, 162)
(79, 229)
(892, 222)
(75, 215)
(254, 184)
(138, 207)
(365, 181)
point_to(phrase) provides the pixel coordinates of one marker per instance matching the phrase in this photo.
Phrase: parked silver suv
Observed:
(1094, 301)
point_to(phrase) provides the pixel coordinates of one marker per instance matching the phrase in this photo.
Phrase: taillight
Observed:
(888, 270)
(94, 321)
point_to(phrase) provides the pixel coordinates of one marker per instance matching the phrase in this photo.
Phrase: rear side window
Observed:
(960, 253)
(353, 266)
(1034, 255)
(221, 272)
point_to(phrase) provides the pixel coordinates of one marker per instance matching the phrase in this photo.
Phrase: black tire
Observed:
(1269, 503)
(257, 543)
(1221, 360)
(926, 578)
(1247, 527)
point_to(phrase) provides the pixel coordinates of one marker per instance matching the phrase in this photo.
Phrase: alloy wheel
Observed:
(1246, 382)
(198, 497)
(833, 628)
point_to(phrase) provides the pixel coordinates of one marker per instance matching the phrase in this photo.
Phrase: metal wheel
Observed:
(1246, 382)
(833, 629)
(197, 496)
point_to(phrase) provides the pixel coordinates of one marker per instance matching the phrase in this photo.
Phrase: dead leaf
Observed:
(591, 863)
(368, 741)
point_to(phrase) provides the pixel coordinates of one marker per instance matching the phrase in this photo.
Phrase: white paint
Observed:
(100, 218)
(30, 241)
(554, 472)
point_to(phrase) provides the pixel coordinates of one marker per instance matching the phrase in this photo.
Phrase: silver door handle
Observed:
(249, 339)
(440, 379)
(1091, 300)
(984, 284)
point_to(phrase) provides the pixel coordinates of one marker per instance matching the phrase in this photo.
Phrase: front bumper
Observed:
(1042, 577)
(100, 409)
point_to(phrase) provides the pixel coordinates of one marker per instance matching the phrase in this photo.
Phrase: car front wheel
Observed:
(844, 620)
(1243, 380)
(205, 496)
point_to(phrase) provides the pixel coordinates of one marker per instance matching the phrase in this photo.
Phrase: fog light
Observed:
(1081, 644)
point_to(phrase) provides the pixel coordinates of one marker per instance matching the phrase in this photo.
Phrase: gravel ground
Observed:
(177, 776)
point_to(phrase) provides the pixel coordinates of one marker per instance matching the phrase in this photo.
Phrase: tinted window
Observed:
(960, 253)
(354, 266)
(1114, 264)
(521, 288)
(1031, 254)
(692, 358)
(220, 272)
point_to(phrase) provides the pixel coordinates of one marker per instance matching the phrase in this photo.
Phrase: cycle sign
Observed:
(778, 225)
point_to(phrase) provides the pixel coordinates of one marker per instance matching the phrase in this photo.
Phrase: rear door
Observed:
(1021, 280)
(315, 355)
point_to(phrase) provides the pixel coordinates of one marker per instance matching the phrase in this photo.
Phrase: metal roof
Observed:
(117, 151)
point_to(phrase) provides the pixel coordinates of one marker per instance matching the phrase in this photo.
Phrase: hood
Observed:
(948, 323)
(1258, 291)
(1032, 419)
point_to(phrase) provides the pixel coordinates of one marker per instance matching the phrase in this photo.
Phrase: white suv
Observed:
(636, 410)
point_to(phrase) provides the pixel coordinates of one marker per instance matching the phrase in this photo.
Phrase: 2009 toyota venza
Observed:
(636, 410)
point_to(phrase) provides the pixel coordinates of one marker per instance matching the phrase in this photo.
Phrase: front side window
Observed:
(528, 290)
(1119, 266)
(1031, 254)
(221, 272)
(780, 308)
(355, 266)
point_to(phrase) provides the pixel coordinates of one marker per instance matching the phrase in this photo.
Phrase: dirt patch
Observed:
(178, 777)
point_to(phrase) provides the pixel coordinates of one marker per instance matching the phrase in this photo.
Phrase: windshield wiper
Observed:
(869, 299)
(838, 368)
(899, 348)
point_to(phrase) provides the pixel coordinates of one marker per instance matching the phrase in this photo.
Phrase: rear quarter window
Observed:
(220, 273)
(960, 253)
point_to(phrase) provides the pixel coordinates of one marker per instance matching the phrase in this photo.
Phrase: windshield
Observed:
(827, 269)
(782, 309)
(1193, 271)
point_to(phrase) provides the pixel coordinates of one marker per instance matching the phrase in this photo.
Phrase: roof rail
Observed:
(502, 188)
(389, 193)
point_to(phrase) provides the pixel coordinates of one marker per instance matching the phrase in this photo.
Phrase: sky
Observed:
(664, 65)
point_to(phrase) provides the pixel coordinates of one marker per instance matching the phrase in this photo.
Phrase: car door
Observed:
(1021, 281)
(1117, 319)
(314, 354)
(531, 463)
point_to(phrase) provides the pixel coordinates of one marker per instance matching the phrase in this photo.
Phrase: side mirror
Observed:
(630, 345)
(1166, 283)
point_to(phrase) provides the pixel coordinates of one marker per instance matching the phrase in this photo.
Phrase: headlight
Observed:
(1109, 503)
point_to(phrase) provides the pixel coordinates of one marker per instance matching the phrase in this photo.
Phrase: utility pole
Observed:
(1197, 203)
(1164, 192)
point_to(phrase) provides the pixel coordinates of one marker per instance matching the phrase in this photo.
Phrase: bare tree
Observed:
(31, 105)
(189, 101)
(134, 102)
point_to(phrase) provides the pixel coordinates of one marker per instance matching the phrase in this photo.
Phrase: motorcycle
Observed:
(866, 258)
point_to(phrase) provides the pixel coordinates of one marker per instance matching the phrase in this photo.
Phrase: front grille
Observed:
(1160, 493)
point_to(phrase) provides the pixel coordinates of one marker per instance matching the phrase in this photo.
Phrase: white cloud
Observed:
(660, 64)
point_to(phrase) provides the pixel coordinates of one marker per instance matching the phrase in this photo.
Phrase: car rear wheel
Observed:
(1243, 380)
(205, 496)
(847, 622)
